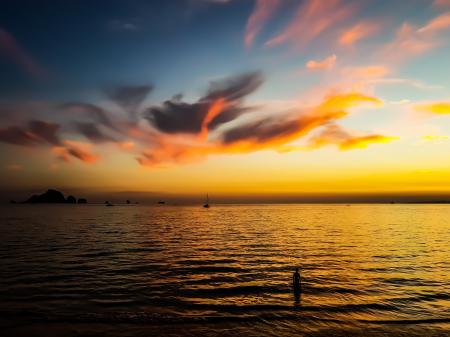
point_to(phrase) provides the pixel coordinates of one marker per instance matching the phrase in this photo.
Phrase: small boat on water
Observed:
(206, 205)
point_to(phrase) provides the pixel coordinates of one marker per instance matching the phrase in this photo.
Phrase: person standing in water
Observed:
(296, 282)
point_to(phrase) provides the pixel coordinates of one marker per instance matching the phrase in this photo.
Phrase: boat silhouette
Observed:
(206, 205)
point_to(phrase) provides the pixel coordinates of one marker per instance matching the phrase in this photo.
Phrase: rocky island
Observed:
(53, 197)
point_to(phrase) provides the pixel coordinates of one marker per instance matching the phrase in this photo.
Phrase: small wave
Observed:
(422, 298)
(410, 321)
(208, 269)
(235, 291)
(331, 290)
(191, 262)
(97, 254)
(143, 250)
(409, 281)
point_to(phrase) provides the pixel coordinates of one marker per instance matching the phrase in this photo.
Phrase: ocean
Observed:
(136, 270)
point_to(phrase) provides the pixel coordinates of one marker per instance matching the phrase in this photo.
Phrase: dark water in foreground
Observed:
(225, 271)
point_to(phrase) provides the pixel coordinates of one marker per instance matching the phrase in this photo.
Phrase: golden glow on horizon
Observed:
(339, 102)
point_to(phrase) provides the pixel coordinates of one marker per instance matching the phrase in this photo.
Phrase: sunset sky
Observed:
(231, 97)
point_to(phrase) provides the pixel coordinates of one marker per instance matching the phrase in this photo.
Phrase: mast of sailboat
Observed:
(207, 201)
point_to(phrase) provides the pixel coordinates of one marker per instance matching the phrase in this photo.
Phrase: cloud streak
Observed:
(10, 47)
(37, 132)
(411, 41)
(325, 64)
(358, 32)
(436, 25)
(73, 149)
(129, 98)
(334, 134)
(263, 11)
(439, 108)
(312, 19)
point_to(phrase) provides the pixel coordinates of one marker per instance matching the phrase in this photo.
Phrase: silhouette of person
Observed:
(296, 282)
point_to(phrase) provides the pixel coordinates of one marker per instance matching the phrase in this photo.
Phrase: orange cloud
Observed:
(79, 150)
(366, 72)
(344, 139)
(10, 46)
(437, 24)
(364, 141)
(216, 108)
(435, 138)
(411, 41)
(312, 19)
(262, 12)
(36, 132)
(325, 64)
(253, 135)
(441, 3)
(169, 149)
(407, 43)
(127, 146)
(441, 108)
(357, 32)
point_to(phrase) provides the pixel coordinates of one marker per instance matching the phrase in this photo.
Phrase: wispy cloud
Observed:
(263, 11)
(358, 32)
(83, 110)
(12, 49)
(334, 134)
(129, 97)
(72, 149)
(312, 19)
(325, 64)
(437, 24)
(93, 132)
(440, 108)
(441, 3)
(372, 71)
(434, 138)
(411, 41)
(35, 133)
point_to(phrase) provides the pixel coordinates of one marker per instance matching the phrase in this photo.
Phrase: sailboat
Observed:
(206, 205)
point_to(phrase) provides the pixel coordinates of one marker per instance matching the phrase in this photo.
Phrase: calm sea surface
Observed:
(74, 270)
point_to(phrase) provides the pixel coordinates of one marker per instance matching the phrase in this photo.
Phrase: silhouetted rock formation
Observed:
(71, 199)
(53, 197)
(161, 202)
(82, 201)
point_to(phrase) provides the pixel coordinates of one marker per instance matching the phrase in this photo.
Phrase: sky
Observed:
(245, 100)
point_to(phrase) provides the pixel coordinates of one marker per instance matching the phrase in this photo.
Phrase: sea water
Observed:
(137, 270)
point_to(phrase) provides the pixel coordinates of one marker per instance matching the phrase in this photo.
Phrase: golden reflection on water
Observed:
(360, 264)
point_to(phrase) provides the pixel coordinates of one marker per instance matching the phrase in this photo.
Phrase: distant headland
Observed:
(52, 197)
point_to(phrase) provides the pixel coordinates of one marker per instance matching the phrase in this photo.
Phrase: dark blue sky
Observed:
(85, 45)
